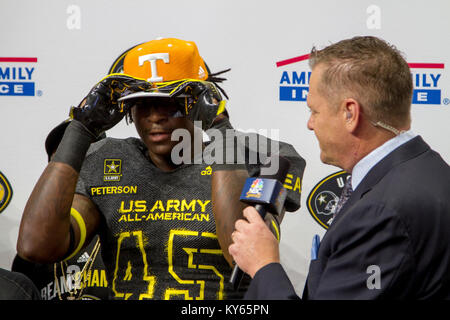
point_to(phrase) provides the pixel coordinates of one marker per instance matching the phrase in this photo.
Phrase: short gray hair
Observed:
(373, 72)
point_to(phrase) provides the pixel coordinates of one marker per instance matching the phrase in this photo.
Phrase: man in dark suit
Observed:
(390, 234)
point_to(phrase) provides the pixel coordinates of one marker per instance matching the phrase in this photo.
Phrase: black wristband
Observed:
(74, 145)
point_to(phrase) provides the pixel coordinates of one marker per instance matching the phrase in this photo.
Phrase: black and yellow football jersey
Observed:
(158, 239)
(158, 231)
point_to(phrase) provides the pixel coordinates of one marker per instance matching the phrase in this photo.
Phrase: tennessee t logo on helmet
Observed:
(164, 60)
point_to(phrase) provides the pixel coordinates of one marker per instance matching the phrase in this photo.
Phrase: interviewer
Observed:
(390, 239)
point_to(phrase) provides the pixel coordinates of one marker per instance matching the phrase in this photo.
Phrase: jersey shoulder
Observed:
(113, 144)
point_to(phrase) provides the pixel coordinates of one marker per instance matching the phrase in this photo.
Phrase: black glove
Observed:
(100, 110)
(202, 101)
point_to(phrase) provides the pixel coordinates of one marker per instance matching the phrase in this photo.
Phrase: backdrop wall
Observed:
(67, 46)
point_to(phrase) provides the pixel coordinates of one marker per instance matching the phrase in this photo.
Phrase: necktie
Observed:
(345, 195)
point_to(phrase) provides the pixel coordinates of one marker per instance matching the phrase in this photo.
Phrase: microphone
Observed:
(267, 194)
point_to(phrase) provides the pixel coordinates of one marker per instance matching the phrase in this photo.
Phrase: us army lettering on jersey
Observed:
(171, 209)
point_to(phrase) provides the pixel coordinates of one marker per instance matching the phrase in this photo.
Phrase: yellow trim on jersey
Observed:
(274, 225)
(79, 219)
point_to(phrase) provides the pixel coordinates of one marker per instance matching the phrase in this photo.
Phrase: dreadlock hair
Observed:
(213, 77)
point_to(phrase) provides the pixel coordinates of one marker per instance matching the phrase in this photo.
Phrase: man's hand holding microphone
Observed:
(254, 245)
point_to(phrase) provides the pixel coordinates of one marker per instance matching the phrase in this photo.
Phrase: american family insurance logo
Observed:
(426, 79)
(16, 76)
(294, 82)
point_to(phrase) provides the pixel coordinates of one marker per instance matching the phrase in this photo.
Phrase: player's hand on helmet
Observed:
(203, 102)
(100, 110)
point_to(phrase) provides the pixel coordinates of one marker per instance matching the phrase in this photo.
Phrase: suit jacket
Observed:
(390, 240)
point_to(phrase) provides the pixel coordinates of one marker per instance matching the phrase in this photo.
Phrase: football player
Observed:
(164, 224)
